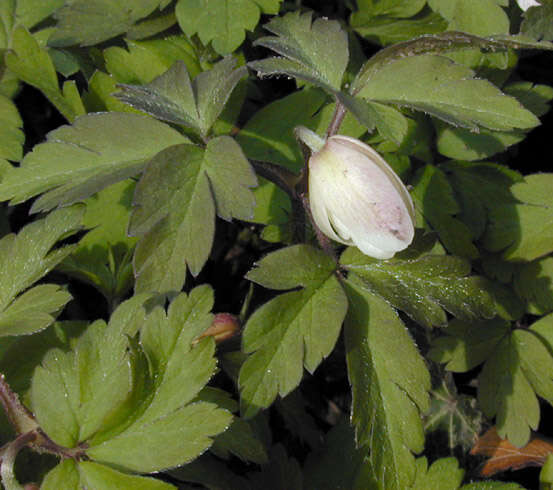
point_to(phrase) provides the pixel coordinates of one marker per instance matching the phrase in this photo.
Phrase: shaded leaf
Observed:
(316, 52)
(79, 160)
(294, 329)
(425, 288)
(447, 91)
(281, 472)
(175, 205)
(443, 474)
(390, 386)
(24, 259)
(538, 21)
(523, 229)
(533, 282)
(173, 97)
(222, 24)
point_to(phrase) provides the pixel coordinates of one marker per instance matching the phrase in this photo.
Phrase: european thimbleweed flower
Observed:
(356, 198)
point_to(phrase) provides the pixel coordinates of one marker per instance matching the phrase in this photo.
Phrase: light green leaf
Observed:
(94, 475)
(390, 384)
(393, 8)
(79, 394)
(523, 229)
(173, 97)
(443, 474)
(436, 207)
(143, 61)
(176, 200)
(533, 282)
(222, 24)
(33, 65)
(492, 485)
(441, 88)
(480, 17)
(31, 12)
(424, 287)
(24, 259)
(316, 52)
(11, 135)
(285, 334)
(79, 160)
(88, 22)
(64, 476)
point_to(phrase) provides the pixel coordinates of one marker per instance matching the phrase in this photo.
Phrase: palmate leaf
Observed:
(424, 287)
(175, 98)
(88, 22)
(448, 91)
(518, 366)
(222, 24)
(293, 330)
(390, 384)
(315, 52)
(79, 160)
(522, 229)
(24, 259)
(175, 205)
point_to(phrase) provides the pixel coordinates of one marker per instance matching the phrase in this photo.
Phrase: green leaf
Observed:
(143, 61)
(479, 187)
(11, 135)
(284, 334)
(173, 97)
(103, 256)
(33, 65)
(64, 476)
(339, 451)
(523, 228)
(518, 366)
(315, 52)
(537, 22)
(424, 287)
(79, 160)
(88, 22)
(31, 12)
(491, 485)
(436, 208)
(480, 17)
(441, 88)
(76, 395)
(390, 384)
(222, 24)
(93, 475)
(534, 283)
(176, 200)
(390, 30)
(443, 474)
(24, 259)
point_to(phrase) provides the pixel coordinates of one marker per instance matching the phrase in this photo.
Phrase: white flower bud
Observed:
(356, 198)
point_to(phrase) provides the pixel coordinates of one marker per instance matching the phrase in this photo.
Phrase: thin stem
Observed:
(18, 415)
(9, 453)
(337, 118)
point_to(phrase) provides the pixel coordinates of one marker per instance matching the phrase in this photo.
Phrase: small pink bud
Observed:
(223, 327)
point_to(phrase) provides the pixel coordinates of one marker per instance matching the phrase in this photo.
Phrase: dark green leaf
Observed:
(534, 282)
(293, 330)
(390, 384)
(173, 97)
(443, 474)
(424, 287)
(538, 22)
(436, 208)
(313, 51)
(281, 472)
(79, 160)
(11, 135)
(24, 259)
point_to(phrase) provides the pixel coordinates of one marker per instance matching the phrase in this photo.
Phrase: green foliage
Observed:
(293, 330)
(390, 386)
(331, 374)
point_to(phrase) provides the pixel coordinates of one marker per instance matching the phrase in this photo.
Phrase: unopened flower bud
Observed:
(355, 196)
(526, 4)
(223, 327)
